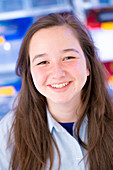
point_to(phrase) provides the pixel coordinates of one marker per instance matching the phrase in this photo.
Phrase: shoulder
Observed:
(6, 123)
(5, 126)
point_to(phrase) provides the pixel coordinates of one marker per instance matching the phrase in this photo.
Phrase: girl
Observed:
(64, 116)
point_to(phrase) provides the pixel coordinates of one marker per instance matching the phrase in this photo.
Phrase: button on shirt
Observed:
(71, 152)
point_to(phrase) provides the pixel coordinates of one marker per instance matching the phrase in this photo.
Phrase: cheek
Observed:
(38, 78)
(79, 71)
(76, 69)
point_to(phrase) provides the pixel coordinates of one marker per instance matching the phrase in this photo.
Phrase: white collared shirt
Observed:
(70, 150)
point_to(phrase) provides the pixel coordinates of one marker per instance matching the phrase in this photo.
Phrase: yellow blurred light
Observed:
(2, 40)
(7, 91)
(107, 25)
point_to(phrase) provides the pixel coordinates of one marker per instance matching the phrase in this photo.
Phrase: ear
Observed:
(88, 73)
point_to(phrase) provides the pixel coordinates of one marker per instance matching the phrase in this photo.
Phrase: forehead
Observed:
(52, 40)
(64, 30)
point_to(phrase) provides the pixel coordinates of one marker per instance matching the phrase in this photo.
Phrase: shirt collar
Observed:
(51, 120)
(52, 123)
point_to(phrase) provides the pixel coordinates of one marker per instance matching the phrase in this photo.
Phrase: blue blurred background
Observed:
(16, 16)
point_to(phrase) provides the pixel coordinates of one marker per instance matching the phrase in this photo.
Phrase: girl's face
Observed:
(58, 65)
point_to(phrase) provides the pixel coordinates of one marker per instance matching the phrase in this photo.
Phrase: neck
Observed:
(64, 112)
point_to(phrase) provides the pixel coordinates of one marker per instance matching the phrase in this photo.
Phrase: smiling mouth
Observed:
(57, 86)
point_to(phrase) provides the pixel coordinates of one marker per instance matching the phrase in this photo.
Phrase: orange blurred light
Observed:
(111, 66)
(111, 79)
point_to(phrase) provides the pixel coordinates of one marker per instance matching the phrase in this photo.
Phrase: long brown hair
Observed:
(33, 141)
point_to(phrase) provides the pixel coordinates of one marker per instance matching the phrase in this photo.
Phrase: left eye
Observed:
(68, 58)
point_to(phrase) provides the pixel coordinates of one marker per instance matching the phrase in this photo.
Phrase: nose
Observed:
(58, 71)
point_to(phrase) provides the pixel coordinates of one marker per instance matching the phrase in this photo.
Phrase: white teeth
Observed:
(60, 85)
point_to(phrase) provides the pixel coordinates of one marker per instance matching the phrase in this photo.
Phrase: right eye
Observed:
(43, 63)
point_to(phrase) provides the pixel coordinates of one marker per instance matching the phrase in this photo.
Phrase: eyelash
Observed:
(46, 62)
(42, 63)
(69, 57)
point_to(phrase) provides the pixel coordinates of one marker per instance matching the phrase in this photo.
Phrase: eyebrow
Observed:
(71, 49)
(38, 56)
(65, 50)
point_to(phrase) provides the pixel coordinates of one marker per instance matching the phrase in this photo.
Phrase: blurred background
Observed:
(16, 16)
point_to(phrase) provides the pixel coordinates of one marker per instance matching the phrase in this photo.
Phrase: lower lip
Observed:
(63, 89)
